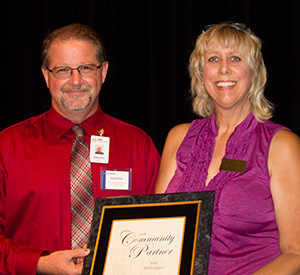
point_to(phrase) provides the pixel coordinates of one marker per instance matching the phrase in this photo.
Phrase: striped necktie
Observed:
(82, 199)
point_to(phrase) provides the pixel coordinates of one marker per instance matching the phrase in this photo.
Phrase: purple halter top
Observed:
(244, 232)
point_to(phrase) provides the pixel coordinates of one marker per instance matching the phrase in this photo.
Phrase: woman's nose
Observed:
(224, 67)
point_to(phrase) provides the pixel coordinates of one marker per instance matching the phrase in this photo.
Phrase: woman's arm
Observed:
(168, 160)
(284, 168)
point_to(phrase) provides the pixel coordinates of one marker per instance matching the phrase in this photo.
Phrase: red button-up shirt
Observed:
(35, 206)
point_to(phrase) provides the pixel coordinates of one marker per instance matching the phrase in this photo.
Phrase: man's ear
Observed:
(104, 69)
(46, 75)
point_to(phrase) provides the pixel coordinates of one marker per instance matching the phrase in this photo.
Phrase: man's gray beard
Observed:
(75, 106)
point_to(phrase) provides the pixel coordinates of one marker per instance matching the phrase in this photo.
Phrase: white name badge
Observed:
(99, 149)
(115, 180)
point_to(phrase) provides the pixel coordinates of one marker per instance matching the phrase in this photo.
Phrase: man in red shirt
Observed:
(35, 207)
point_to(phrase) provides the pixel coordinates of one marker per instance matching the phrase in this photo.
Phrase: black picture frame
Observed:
(196, 207)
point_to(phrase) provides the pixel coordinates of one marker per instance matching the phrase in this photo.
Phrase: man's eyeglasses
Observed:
(237, 26)
(85, 70)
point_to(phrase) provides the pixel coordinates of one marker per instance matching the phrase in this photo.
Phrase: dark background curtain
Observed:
(148, 44)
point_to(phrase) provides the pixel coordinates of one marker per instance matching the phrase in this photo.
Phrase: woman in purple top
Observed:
(251, 163)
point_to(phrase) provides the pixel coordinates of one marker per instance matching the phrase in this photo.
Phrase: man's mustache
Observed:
(76, 88)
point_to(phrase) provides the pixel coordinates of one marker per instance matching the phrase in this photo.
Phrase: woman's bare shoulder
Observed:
(179, 132)
(285, 140)
(284, 150)
(168, 160)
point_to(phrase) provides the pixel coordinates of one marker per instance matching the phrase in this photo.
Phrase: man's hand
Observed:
(61, 262)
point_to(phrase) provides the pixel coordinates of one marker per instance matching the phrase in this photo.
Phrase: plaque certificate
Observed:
(151, 234)
(143, 246)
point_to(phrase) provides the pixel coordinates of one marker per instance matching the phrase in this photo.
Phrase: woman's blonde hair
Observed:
(239, 37)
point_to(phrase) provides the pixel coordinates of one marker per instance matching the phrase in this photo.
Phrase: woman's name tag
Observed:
(233, 165)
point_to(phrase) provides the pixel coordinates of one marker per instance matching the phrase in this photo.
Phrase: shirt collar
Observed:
(248, 124)
(60, 125)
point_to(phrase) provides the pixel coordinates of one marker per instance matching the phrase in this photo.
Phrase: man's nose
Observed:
(75, 77)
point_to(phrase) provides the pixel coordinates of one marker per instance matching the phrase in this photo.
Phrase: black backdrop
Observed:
(148, 44)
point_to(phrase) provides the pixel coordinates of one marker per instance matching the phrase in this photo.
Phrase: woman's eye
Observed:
(213, 59)
(235, 58)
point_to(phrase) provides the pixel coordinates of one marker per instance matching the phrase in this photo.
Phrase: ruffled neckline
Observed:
(195, 174)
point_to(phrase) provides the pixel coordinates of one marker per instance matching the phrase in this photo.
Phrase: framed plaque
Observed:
(151, 234)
